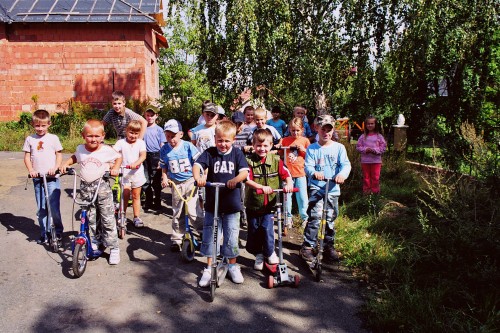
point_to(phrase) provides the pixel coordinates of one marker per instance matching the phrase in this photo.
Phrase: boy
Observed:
(120, 116)
(202, 136)
(266, 172)
(42, 155)
(95, 158)
(133, 152)
(276, 122)
(260, 123)
(226, 165)
(325, 159)
(154, 139)
(176, 161)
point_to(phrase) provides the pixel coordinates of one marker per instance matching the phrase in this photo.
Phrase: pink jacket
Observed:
(375, 142)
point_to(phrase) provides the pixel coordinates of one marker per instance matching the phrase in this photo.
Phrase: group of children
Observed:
(244, 150)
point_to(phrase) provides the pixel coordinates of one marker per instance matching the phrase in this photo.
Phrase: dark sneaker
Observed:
(42, 241)
(330, 254)
(307, 254)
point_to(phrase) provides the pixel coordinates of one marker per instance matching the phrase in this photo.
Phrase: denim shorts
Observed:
(228, 228)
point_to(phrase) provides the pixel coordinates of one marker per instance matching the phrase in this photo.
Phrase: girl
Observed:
(294, 161)
(371, 145)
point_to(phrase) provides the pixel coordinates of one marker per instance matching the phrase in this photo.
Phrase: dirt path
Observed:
(151, 290)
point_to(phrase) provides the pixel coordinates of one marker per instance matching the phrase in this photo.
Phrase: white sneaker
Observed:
(273, 259)
(222, 269)
(259, 262)
(138, 222)
(235, 273)
(205, 278)
(114, 256)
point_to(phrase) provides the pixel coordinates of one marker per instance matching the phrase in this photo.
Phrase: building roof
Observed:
(133, 11)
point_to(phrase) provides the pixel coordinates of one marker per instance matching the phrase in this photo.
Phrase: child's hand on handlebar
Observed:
(52, 171)
(319, 175)
(231, 184)
(164, 181)
(201, 182)
(288, 188)
(114, 172)
(267, 189)
(33, 174)
(339, 179)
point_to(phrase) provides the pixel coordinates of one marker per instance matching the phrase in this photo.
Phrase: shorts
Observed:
(134, 179)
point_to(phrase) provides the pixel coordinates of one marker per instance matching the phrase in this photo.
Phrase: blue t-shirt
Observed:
(280, 125)
(306, 133)
(221, 169)
(329, 159)
(153, 138)
(179, 160)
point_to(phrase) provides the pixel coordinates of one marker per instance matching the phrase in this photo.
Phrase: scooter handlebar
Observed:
(213, 184)
(69, 171)
(260, 191)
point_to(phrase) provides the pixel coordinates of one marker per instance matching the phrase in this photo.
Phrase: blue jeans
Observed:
(301, 196)
(260, 238)
(54, 187)
(229, 227)
(315, 210)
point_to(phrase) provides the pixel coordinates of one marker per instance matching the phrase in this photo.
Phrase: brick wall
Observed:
(86, 62)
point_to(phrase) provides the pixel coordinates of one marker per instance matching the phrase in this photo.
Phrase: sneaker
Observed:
(235, 273)
(114, 256)
(205, 278)
(95, 244)
(273, 259)
(330, 254)
(42, 240)
(259, 262)
(307, 254)
(222, 269)
(138, 222)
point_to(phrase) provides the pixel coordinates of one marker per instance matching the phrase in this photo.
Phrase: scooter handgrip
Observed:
(129, 167)
(210, 184)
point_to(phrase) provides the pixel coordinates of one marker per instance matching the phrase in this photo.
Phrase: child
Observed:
(95, 158)
(176, 161)
(260, 123)
(240, 141)
(276, 121)
(154, 139)
(42, 155)
(222, 164)
(300, 112)
(120, 116)
(202, 136)
(248, 112)
(295, 163)
(371, 146)
(325, 159)
(133, 152)
(266, 171)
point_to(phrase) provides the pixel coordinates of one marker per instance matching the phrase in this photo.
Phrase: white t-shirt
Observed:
(94, 164)
(130, 154)
(43, 151)
(204, 137)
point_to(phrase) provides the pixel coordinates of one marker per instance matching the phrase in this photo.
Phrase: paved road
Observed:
(151, 290)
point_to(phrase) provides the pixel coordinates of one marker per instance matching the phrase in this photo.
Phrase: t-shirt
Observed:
(154, 138)
(179, 160)
(331, 159)
(294, 159)
(280, 125)
(204, 137)
(94, 164)
(306, 133)
(221, 169)
(120, 122)
(240, 140)
(42, 151)
(130, 154)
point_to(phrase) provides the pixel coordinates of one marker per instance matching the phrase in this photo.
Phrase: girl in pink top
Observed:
(371, 146)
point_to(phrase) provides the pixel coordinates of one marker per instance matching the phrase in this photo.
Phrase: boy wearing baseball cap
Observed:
(176, 161)
(325, 159)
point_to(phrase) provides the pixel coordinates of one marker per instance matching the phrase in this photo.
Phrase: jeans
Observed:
(229, 227)
(301, 196)
(260, 238)
(54, 187)
(315, 211)
(152, 188)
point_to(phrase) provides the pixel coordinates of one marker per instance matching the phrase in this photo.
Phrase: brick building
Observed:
(53, 51)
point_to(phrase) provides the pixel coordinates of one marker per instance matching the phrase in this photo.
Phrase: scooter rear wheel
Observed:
(187, 251)
(79, 260)
(296, 281)
(122, 232)
(270, 282)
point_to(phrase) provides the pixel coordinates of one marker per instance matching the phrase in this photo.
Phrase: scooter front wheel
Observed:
(319, 270)
(187, 250)
(79, 259)
(270, 282)
(212, 291)
(53, 240)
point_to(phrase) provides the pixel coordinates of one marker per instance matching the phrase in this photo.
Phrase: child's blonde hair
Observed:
(296, 122)
(299, 108)
(93, 123)
(133, 126)
(225, 127)
(261, 135)
(118, 95)
(260, 112)
(40, 116)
